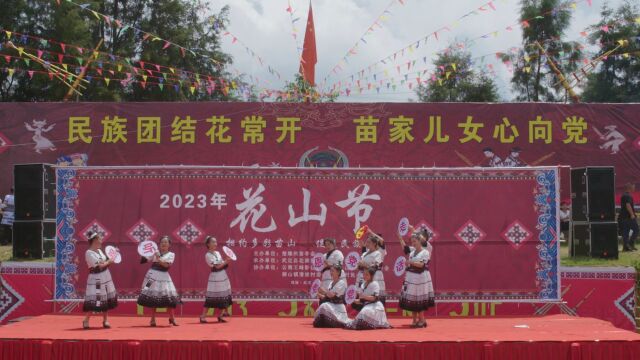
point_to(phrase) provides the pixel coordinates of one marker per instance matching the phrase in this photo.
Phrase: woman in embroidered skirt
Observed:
(372, 314)
(158, 290)
(373, 254)
(100, 295)
(332, 257)
(417, 291)
(219, 288)
(332, 312)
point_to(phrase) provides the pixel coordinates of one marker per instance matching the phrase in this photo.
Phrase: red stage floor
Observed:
(552, 337)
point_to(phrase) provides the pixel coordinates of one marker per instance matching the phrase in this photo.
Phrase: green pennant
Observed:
(44, 42)
(128, 62)
(164, 75)
(161, 86)
(80, 61)
(27, 61)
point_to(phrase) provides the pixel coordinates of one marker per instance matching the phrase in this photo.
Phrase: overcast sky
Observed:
(265, 27)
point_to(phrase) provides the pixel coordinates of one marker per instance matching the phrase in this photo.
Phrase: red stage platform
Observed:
(552, 337)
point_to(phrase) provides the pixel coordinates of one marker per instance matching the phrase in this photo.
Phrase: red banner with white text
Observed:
(493, 231)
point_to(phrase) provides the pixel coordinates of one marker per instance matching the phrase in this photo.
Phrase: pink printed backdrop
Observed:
(485, 246)
(578, 135)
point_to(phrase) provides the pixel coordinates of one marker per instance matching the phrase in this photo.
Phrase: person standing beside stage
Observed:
(100, 295)
(218, 288)
(417, 291)
(373, 254)
(8, 212)
(627, 219)
(332, 311)
(372, 315)
(332, 257)
(158, 290)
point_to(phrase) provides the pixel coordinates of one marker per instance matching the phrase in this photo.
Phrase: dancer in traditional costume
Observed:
(373, 254)
(332, 257)
(417, 291)
(158, 290)
(100, 295)
(332, 312)
(372, 314)
(218, 288)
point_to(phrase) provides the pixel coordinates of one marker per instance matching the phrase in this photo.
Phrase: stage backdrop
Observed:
(493, 230)
(334, 135)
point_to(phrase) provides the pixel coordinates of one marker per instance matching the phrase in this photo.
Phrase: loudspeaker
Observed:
(598, 239)
(593, 194)
(34, 239)
(35, 194)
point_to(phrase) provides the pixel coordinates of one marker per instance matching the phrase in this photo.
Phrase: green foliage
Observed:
(533, 80)
(182, 22)
(458, 82)
(617, 78)
(300, 90)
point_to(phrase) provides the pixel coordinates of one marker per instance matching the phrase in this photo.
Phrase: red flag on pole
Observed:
(309, 54)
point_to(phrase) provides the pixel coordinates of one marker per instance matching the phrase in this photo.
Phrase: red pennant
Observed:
(146, 36)
(158, 67)
(142, 64)
(60, 58)
(166, 45)
(182, 51)
(149, 71)
(112, 72)
(7, 58)
(40, 52)
(50, 76)
(63, 47)
(30, 74)
(99, 71)
(143, 84)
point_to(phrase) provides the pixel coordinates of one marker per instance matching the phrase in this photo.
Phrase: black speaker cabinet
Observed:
(34, 239)
(593, 194)
(35, 194)
(598, 239)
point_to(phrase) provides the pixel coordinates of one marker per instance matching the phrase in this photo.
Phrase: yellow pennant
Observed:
(527, 69)
(65, 66)
(119, 67)
(144, 77)
(448, 73)
(527, 58)
(193, 89)
(107, 80)
(11, 71)
(95, 14)
(96, 54)
(172, 70)
(454, 67)
(8, 33)
(20, 51)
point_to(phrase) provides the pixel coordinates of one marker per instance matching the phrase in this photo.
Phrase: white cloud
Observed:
(265, 27)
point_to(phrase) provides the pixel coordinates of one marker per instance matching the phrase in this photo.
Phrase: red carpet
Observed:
(552, 337)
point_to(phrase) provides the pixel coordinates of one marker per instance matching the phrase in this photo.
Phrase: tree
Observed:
(457, 81)
(617, 78)
(300, 90)
(544, 22)
(179, 21)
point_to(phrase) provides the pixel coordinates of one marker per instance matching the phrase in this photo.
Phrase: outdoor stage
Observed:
(551, 337)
